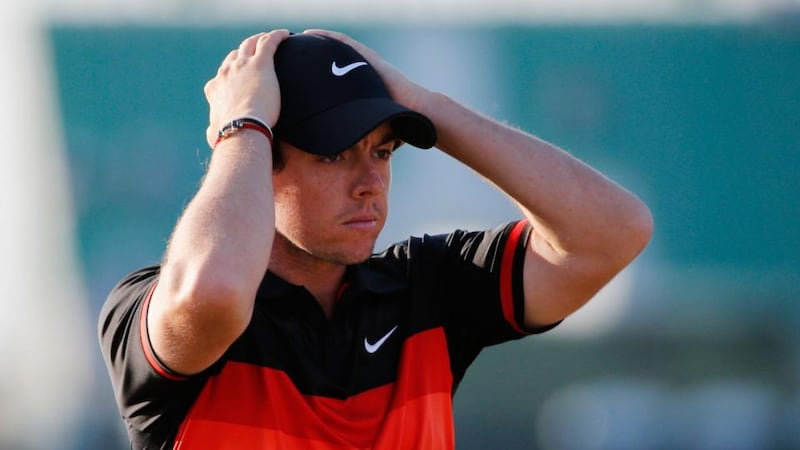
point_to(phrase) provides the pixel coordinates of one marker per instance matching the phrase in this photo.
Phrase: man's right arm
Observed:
(220, 248)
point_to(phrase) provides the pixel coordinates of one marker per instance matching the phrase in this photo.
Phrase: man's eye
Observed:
(384, 154)
(331, 158)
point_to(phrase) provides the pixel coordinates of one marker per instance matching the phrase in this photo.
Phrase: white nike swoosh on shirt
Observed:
(372, 348)
(342, 71)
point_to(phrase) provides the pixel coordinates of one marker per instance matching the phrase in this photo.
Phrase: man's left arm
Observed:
(586, 228)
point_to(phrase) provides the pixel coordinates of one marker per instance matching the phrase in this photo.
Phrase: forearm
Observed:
(223, 240)
(574, 207)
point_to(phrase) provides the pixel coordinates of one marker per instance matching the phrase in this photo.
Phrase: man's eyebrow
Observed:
(390, 137)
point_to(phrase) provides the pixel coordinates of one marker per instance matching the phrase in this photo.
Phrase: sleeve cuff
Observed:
(147, 347)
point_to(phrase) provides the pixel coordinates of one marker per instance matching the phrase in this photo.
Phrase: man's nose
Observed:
(371, 180)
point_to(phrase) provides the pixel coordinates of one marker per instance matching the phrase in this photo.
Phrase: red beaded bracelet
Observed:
(244, 123)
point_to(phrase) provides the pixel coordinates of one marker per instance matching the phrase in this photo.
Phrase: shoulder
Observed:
(464, 245)
(139, 277)
(134, 283)
(125, 296)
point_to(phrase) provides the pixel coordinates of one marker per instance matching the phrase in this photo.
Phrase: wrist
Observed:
(244, 123)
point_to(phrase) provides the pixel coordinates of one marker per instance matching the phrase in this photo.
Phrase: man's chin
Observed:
(341, 253)
(356, 257)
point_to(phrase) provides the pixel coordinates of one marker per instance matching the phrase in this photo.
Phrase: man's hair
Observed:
(277, 155)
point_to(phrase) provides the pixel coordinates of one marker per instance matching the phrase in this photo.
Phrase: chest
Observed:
(357, 349)
(373, 376)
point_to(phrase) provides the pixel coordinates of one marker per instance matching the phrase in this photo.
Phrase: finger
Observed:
(248, 46)
(228, 60)
(323, 32)
(331, 34)
(268, 42)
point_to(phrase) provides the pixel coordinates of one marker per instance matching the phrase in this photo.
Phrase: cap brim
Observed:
(339, 128)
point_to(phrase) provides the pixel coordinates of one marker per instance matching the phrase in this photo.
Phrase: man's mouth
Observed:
(362, 222)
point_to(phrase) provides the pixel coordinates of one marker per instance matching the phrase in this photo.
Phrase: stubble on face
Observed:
(302, 238)
(289, 250)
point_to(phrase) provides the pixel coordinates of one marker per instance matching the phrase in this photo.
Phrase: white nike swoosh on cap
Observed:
(342, 71)
(372, 348)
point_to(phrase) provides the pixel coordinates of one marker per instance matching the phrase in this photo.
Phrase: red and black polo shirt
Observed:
(380, 374)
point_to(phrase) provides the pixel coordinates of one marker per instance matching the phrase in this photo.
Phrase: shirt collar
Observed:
(365, 277)
(370, 278)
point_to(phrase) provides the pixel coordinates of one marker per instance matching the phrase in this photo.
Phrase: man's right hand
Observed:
(246, 84)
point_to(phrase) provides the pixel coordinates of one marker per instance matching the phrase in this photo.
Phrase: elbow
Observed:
(214, 303)
(636, 232)
(642, 226)
(623, 237)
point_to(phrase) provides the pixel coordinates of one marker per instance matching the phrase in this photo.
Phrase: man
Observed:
(270, 323)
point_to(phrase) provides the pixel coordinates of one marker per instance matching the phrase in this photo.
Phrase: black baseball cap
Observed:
(331, 98)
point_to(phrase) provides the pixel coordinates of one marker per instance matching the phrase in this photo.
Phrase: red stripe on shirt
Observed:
(507, 275)
(145, 340)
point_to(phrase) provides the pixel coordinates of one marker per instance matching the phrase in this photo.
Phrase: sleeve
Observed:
(152, 399)
(475, 282)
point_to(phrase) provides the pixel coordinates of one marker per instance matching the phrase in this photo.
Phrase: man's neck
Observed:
(321, 278)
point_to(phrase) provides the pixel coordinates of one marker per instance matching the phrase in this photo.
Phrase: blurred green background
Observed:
(697, 345)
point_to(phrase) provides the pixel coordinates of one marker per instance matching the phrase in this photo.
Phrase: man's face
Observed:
(334, 207)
